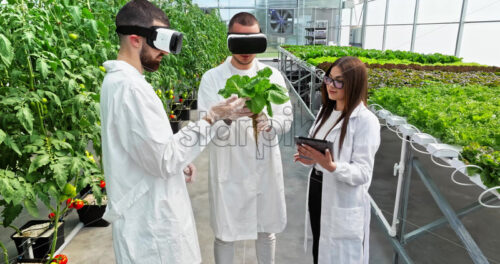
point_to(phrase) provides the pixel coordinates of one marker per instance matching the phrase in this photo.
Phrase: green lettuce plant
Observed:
(261, 92)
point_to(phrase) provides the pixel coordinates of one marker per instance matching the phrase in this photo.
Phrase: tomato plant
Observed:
(204, 35)
(51, 55)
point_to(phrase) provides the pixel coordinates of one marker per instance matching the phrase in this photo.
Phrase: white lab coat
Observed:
(246, 189)
(148, 204)
(345, 203)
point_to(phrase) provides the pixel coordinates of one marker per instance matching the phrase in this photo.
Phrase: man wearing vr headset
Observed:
(246, 191)
(143, 160)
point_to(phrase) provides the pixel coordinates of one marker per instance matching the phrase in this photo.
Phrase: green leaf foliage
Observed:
(50, 58)
(258, 88)
(458, 115)
(308, 52)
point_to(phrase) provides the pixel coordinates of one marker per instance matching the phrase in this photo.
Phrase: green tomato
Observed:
(69, 190)
(44, 100)
(73, 36)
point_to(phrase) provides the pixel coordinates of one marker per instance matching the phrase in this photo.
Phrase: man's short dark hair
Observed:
(243, 18)
(140, 13)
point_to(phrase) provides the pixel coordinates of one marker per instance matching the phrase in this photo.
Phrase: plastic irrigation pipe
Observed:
(401, 170)
(463, 167)
(480, 198)
(382, 217)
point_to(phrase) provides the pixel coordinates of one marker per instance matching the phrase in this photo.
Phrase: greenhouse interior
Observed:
(249, 131)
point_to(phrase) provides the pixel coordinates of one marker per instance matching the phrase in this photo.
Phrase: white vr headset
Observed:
(161, 38)
(243, 43)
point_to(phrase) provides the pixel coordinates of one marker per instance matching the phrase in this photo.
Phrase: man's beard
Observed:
(148, 63)
(242, 63)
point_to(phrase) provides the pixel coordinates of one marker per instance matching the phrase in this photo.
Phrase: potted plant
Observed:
(181, 111)
(37, 236)
(95, 201)
(58, 259)
(174, 123)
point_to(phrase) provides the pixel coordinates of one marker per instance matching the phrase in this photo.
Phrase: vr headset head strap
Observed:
(148, 33)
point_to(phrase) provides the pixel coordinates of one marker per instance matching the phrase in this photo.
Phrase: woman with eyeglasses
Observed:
(338, 201)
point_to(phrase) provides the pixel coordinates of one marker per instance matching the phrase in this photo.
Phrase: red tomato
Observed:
(102, 184)
(78, 204)
(180, 100)
(52, 215)
(61, 259)
(69, 203)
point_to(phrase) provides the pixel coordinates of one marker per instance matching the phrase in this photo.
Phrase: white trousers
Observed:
(264, 246)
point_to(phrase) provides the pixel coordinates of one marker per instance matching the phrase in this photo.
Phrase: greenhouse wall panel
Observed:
(483, 10)
(481, 42)
(432, 11)
(401, 12)
(398, 37)
(374, 36)
(375, 9)
(436, 38)
(344, 36)
(346, 16)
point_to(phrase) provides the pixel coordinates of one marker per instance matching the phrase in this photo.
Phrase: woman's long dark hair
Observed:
(356, 91)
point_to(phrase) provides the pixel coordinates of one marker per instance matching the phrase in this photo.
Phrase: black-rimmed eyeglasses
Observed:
(336, 83)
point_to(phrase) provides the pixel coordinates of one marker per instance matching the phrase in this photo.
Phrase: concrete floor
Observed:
(94, 245)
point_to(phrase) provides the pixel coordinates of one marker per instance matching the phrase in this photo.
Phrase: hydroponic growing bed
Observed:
(413, 94)
(459, 108)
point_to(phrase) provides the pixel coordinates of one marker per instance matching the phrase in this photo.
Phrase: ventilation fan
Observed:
(281, 21)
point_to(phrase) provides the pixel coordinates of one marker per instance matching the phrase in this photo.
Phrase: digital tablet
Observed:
(317, 144)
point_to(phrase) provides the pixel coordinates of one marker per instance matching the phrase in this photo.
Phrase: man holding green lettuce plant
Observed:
(246, 191)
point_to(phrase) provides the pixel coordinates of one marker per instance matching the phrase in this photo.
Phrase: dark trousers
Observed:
(315, 187)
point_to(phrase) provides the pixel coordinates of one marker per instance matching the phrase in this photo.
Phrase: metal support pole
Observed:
(414, 31)
(363, 27)
(474, 251)
(442, 221)
(403, 211)
(384, 37)
(394, 241)
(311, 89)
(460, 33)
(339, 23)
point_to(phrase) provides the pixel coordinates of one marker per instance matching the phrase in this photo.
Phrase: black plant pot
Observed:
(192, 103)
(175, 125)
(41, 245)
(85, 190)
(182, 114)
(91, 215)
(35, 261)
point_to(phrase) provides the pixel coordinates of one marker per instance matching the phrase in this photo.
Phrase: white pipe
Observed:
(401, 170)
(391, 232)
(70, 237)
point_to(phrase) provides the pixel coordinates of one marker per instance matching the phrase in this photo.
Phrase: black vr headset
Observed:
(161, 38)
(244, 43)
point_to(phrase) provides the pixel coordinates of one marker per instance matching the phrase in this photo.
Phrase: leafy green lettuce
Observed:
(259, 89)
